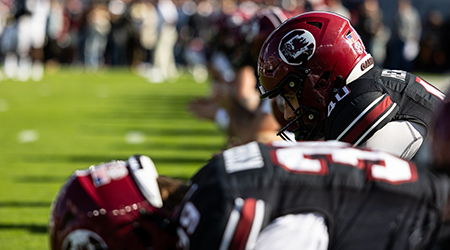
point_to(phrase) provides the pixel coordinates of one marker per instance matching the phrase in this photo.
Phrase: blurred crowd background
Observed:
(159, 38)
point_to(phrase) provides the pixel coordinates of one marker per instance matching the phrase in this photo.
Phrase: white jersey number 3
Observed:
(380, 166)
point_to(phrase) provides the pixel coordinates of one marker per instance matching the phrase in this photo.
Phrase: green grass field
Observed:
(70, 121)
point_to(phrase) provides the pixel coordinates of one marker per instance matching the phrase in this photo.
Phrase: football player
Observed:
(119, 205)
(319, 195)
(332, 90)
(234, 102)
(309, 195)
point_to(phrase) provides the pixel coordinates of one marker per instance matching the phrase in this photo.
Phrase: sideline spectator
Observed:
(403, 47)
(145, 22)
(164, 67)
(135, 33)
(445, 36)
(337, 7)
(119, 35)
(9, 47)
(431, 57)
(98, 28)
(24, 52)
(372, 30)
(57, 35)
(194, 33)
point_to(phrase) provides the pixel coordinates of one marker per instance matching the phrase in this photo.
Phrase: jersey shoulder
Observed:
(237, 160)
(359, 115)
(408, 85)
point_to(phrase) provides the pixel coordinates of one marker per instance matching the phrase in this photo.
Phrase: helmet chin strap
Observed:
(312, 133)
(297, 80)
(302, 132)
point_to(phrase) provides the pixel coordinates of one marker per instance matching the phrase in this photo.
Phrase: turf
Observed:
(71, 120)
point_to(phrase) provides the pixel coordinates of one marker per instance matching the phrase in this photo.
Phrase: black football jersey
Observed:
(376, 98)
(369, 199)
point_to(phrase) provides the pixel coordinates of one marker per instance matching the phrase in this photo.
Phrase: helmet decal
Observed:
(296, 43)
(359, 48)
(355, 40)
(315, 47)
(84, 239)
(103, 174)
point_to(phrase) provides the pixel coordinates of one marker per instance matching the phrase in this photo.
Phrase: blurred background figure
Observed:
(157, 39)
(224, 55)
(65, 34)
(194, 29)
(370, 27)
(294, 7)
(432, 53)
(120, 33)
(317, 5)
(234, 102)
(404, 47)
(98, 24)
(164, 67)
(39, 10)
(145, 26)
(445, 37)
(57, 35)
(8, 46)
(24, 39)
(336, 6)
(5, 13)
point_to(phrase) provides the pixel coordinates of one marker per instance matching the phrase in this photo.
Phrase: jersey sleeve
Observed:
(358, 117)
(215, 213)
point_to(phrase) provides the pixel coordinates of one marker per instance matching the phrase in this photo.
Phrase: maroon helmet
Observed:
(313, 55)
(259, 27)
(226, 35)
(440, 137)
(115, 205)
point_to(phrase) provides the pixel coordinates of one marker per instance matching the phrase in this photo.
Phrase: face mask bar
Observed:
(296, 81)
(300, 129)
(282, 132)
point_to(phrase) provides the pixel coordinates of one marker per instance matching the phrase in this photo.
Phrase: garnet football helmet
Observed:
(313, 55)
(115, 205)
(259, 27)
(226, 35)
(440, 137)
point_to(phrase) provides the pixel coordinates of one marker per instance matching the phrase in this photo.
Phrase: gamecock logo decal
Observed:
(294, 44)
(83, 239)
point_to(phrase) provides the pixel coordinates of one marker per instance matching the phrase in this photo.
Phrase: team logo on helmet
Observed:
(294, 44)
(84, 239)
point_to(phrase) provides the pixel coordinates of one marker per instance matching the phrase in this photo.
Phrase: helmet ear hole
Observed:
(316, 24)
